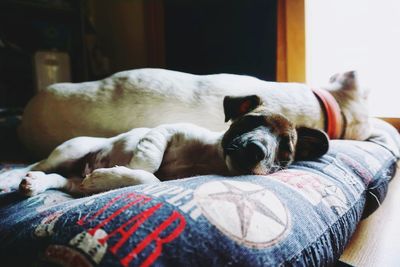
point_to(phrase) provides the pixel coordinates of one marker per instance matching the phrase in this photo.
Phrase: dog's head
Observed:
(258, 142)
(353, 101)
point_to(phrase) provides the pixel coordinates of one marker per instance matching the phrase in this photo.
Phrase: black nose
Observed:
(255, 152)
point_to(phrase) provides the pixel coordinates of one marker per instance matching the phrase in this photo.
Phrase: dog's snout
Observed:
(255, 152)
(247, 155)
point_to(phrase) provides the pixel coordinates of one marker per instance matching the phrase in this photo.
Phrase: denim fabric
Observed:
(302, 216)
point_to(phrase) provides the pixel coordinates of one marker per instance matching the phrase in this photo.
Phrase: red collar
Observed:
(333, 116)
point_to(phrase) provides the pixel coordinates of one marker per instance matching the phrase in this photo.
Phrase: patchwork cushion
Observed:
(302, 216)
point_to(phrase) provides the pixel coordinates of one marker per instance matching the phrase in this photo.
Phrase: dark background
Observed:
(102, 37)
(213, 36)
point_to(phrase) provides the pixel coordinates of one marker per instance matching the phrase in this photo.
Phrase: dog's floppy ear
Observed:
(311, 143)
(236, 106)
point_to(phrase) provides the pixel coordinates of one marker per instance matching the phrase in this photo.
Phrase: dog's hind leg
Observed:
(62, 157)
(104, 179)
(99, 180)
(66, 154)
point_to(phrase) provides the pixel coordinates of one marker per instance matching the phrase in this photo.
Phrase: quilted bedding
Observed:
(302, 216)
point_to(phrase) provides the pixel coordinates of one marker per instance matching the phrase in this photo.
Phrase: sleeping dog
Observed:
(257, 142)
(151, 97)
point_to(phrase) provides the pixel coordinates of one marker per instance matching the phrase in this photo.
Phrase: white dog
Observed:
(257, 142)
(150, 97)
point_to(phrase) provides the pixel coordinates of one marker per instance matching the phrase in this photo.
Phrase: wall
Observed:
(221, 36)
(120, 29)
(361, 35)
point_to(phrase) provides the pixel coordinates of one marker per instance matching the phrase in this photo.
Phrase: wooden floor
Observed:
(377, 239)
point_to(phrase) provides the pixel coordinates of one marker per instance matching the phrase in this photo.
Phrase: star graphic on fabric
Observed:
(246, 205)
(330, 190)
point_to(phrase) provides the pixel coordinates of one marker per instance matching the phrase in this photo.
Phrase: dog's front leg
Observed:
(104, 179)
(149, 152)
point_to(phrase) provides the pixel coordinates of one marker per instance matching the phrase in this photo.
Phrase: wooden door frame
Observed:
(290, 59)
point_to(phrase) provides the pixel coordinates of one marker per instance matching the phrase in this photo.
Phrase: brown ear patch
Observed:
(235, 107)
(244, 107)
(311, 143)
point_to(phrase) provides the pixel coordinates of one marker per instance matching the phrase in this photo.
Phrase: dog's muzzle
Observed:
(247, 155)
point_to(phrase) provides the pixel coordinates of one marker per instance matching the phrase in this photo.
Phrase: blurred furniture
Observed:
(27, 26)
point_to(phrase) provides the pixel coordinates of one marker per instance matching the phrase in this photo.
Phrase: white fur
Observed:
(150, 97)
(170, 150)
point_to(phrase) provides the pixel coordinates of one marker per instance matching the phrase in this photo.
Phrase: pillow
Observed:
(301, 216)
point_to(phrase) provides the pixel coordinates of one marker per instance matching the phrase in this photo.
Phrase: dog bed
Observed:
(301, 216)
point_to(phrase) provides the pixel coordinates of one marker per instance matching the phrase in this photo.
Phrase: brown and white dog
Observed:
(150, 97)
(257, 142)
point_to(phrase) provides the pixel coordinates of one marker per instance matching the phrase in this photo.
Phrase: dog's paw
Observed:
(10, 180)
(33, 183)
(100, 180)
(105, 179)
